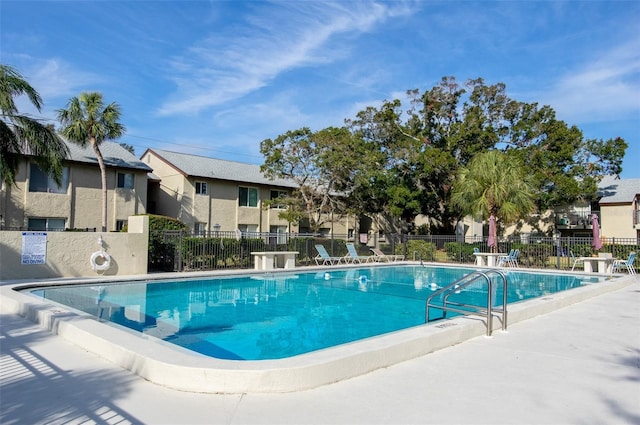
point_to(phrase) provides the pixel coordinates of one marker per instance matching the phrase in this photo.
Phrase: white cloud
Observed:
(286, 36)
(607, 88)
(55, 81)
(55, 78)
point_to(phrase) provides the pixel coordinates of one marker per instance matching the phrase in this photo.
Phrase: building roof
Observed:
(114, 156)
(212, 168)
(618, 191)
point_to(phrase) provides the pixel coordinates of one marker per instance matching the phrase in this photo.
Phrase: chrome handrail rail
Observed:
(460, 284)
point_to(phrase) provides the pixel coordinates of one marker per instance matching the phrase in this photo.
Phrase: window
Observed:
(120, 225)
(248, 228)
(200, 229)
(201, 188)
(41, 182)
(248, 197)
(46, 223)
(125, 180)
(275, 194)
(281, 234)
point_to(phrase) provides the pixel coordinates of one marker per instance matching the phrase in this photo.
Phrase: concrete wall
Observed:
(68, 253)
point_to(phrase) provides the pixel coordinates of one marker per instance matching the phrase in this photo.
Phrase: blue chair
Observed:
(504, 259)
(628, 263)
(324, 256)
(510, 260)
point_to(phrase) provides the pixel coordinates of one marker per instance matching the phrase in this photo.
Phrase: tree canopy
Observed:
(321, 164)
(88, 121)
(403, 160)
(21, 134)
(493, 184)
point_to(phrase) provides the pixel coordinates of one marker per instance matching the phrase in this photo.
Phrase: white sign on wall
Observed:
(34, 247)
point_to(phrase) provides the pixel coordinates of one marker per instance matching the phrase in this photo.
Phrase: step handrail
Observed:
(460, 284)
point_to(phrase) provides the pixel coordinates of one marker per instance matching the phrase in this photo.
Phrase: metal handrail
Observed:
(460, 284)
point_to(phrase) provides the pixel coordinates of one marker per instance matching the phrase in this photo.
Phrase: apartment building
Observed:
(36, 202)
(616, 207)
(211, 194)
(619, 207)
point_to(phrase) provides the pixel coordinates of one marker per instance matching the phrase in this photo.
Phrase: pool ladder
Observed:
(469, 309)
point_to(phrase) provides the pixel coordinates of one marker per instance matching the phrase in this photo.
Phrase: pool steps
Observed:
(469, 309)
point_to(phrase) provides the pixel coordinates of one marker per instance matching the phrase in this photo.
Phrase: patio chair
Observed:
(324, 256)
(514, 259)
(354, 257)
(503, 259)
(510, 260)
(576, 260)
(628, 264)
(381, 256)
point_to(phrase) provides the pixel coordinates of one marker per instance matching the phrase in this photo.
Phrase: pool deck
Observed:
(577, 364)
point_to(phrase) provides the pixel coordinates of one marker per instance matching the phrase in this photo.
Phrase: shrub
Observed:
(208, 253)
(460, 252)
(420, 249)
(534, 254)
(161, 252)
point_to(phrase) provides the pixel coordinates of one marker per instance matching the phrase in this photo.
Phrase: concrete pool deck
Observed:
(578, 364)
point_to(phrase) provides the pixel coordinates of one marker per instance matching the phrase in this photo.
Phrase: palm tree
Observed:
(87, 121)
(22, 135)
(493, 185)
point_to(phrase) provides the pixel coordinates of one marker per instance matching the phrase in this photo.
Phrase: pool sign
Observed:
(34, 247)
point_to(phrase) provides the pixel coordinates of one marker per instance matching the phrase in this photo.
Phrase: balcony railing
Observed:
(579, 220)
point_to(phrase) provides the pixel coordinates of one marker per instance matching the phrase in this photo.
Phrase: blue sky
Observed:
(215, 78)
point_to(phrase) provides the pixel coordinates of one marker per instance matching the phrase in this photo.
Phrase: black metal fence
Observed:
(176, 250)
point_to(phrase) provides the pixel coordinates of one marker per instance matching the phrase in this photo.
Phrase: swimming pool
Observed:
(169, 365)
(280, 315)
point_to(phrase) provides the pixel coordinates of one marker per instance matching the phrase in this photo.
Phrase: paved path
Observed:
(578, 365)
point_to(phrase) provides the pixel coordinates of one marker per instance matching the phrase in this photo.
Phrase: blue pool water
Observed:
(274, 316)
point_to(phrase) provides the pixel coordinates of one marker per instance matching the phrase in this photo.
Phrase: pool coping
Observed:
(181, 369)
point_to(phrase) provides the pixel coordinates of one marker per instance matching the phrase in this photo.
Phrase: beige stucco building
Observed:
(36, 202)
(211, 194)
(619, 208)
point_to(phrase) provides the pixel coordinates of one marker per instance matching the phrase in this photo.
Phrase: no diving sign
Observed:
(34, 247)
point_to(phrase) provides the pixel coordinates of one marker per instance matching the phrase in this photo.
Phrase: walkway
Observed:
(577, 365)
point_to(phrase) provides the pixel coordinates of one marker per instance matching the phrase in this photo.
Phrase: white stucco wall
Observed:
(68, 253)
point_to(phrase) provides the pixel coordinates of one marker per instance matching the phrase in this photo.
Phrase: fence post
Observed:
(180, 251)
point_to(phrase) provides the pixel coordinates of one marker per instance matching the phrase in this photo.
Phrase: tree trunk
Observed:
(103, 176)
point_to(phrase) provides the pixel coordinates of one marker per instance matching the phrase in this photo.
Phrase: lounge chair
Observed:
(324, 256)
(354, 257)
(381, 256)
(628, 264)
(576, 260)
